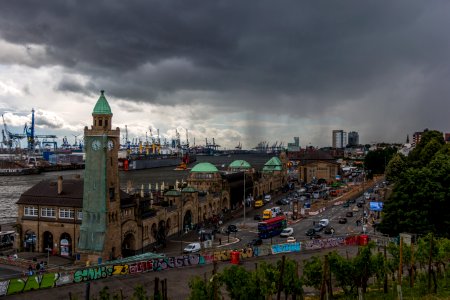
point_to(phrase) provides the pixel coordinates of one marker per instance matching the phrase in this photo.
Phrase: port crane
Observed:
(11, 139)
(31, 136)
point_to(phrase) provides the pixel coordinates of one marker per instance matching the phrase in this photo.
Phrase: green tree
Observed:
(343, 270)
(200, 290)
(237, 281)
(376, 161)
(366, 264)
(268, 275)
(429, 144)
(396, 166)
(312, 272)
(292, 285)
(139, 293)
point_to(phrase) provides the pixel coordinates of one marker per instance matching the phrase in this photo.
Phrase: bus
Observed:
(6, 240)
(271, 227)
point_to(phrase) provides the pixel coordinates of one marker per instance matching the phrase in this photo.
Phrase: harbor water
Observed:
(11, 187)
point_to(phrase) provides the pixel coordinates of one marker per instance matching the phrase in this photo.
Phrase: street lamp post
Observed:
(245, 204)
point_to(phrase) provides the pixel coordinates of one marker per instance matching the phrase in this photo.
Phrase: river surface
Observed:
(11, 187)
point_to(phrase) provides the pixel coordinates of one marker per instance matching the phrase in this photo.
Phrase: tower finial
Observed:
(102, 92)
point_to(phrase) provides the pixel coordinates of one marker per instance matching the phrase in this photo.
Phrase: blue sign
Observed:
(376, 206)
(285, 248)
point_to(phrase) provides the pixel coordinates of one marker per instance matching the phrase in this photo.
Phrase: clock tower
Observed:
(100, 228)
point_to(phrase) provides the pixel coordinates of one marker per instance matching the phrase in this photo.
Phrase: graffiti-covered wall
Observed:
(55, 279)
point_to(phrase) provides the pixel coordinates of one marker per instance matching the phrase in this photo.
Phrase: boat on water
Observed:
(19, 171)
(150, 161)
(16, 168)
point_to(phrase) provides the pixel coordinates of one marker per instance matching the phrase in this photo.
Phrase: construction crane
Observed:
(31, 136)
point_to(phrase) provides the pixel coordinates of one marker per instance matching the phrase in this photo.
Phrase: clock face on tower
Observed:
(96, 144)
(110, 145)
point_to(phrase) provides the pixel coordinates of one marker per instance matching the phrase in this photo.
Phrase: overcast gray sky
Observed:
(238, 71)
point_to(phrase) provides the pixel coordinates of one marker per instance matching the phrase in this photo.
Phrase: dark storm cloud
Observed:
(72, 85)
(291, 57)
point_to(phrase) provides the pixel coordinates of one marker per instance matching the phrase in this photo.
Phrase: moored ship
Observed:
(150, 161)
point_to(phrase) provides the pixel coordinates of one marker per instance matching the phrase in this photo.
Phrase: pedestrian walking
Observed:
(30, 270)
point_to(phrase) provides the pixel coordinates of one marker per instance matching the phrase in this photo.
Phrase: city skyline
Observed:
(237, 72)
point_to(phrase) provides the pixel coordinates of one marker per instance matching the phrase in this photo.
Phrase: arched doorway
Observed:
(129, 245)
(29, 242)
(224, 204)
(161, 234)
(47, 242)
(187, 220)
(65, 244)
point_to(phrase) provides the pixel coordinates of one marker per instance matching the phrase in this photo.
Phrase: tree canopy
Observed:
(420, 201)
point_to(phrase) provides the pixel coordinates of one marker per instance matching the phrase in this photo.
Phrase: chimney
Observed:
(60, 185)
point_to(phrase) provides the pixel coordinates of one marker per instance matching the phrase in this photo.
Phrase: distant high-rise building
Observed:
(295, 146)
(416, 138)
(353, 138)
(339, 138)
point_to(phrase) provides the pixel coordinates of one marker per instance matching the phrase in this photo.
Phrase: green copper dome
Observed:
(102, 106)
(240, 164)
(205, 168)
(274, 164)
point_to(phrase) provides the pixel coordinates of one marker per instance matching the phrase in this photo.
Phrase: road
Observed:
(248, 229)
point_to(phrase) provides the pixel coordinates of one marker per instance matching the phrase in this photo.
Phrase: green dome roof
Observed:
(240, 164)
(205, 168)
(102, 106)
(188, 189)
(274, 164)
(172, 193)
(274, 161)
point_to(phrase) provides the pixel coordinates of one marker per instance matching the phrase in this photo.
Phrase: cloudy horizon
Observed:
(238, 72)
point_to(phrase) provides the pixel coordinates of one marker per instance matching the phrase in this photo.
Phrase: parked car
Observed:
(324, 222)
(349, 214)
(255, 242)
(232, 228)
(355, 209)
(310, 232)
(291, 239)
(346, 204)
(287, 232)
(351, 201)
(342, 220)
(318, 228)
(192, 248)
(257, 217)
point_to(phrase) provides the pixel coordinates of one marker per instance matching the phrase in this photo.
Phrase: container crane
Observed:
(31, 136)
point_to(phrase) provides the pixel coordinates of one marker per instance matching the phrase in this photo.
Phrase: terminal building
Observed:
(92, 219)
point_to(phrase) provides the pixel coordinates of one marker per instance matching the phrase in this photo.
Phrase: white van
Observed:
(324, 222)
(267, 198)
(192, 248)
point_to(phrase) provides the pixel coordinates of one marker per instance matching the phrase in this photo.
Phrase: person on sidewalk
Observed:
(30, 270)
